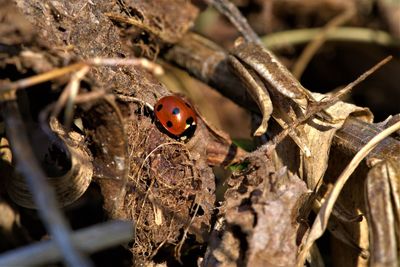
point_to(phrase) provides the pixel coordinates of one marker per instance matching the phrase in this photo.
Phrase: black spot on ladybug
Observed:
(159, 107)
(189, 121)
(169, 124)
(176, 111)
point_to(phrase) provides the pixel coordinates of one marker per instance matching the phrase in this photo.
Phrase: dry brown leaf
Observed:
(228, 252)
(317, 135)
(261, 212)
(383, 212)
(273, 239)
(321, 221)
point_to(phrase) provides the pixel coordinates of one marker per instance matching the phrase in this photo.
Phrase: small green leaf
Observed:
(246, 144)
(238, 167)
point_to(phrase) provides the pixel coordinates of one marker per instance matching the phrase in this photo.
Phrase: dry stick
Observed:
(40, 78)
(143, 62)
(318, 41)
(349, 34)
(323, 105)
(135, 99)
(43, 77)
(229, 10)
(89, 240)
(91, 96)
(43, 195)
(322, 218)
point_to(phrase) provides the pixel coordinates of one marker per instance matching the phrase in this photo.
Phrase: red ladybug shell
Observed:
(175, 115)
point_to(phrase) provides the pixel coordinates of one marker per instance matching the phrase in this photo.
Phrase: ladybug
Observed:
(176, 116)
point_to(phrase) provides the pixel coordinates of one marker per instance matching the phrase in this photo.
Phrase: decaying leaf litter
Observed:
(163, 188)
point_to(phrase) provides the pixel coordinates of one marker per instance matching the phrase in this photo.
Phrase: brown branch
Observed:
(230, 11)
(209, 63)
(88, 240)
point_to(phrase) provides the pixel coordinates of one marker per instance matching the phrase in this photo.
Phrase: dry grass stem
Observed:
(319, 40)
(322, 218)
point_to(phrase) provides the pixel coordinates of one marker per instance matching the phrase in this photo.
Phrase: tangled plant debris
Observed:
(80, 143)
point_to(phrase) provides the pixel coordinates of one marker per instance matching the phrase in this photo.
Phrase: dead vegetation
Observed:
(80, 146)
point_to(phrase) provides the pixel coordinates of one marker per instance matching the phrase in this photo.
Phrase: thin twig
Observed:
(322, 218)
(91, 96)
(276, 40)
(43, 195)
(88, 240)
(40, 78)
(43, 77)
(229, 10)
(323, 105)
(135, 99)
(310, 50)
(143, 62)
